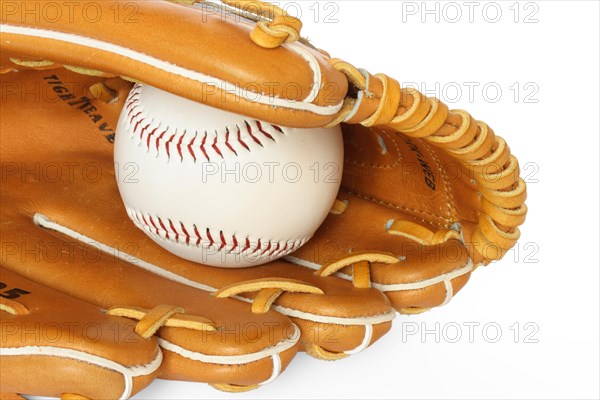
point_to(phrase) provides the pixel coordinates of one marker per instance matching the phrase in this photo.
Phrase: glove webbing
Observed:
(380, 101)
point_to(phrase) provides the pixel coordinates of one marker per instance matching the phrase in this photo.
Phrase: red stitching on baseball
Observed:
(146, 133)
(260, 128)
(158, 139)
(209, 237)
(185, 232)
(216, 148)
(223, 242)
(247, 246)
(135, 92)
(191, 147)
(275, 250)
(174, 230)
(168, 145)
(239, 136)
(144, 219)
(157, 227)
(134, 98)
(197, 234)
(284, 248)
(267, 249)
(257, 247)
(132, 110)
(295, 245)
(227, 141)
(143, 130)
(150, 136)
(132, 101)
(202, 146)
(138, 122)
(235, 243)
(179, 145)
(162, 225)
(154, 225)
(249, 129)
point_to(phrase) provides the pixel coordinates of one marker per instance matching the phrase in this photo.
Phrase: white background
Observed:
(552, 280)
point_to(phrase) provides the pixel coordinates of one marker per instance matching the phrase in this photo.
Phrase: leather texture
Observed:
(428, 193)
(186, 57)
(327, 91)
(47, 134)
(60, 197)
(219, 188)
(69, 345)
(388, 178)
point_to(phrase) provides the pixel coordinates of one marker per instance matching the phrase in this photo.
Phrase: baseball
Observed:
(219, 188)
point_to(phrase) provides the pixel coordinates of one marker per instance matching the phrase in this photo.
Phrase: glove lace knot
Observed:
(269, 289)
(151, 321)
(421, 234)
(274, 26)
(13, 307)
(361, 265)
(379, 100)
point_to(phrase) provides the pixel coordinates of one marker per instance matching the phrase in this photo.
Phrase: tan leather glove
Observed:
(428, 193)
(65, 226)
(51, 234)
(183, 50)
(56, 345)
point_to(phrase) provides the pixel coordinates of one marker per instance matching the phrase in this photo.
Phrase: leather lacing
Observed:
(269, 289)
(361, 266)
(151, 321)
(360, 262)
(274, 26)
(381, 101)
(13, 307)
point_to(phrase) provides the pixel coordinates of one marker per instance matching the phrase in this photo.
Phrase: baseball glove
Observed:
(428, 194)
(60, 201)
(69, 346)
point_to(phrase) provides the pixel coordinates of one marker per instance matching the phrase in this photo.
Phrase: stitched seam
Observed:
(391, 283)
(190, 235)
(188, 145)
(184, 72)
(407, 209)
(126, 367)
(383, 133)
(165, 344)
(423, 280)
(390, 136)
(447, 190)
(383, 314)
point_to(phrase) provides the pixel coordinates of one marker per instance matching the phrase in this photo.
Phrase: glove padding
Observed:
(55, 345)
(263, 61)
(72, 205)
(391, 229)
(58, 214)
(405, 208)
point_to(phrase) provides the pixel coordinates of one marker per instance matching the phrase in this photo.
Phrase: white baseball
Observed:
(218, 188)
